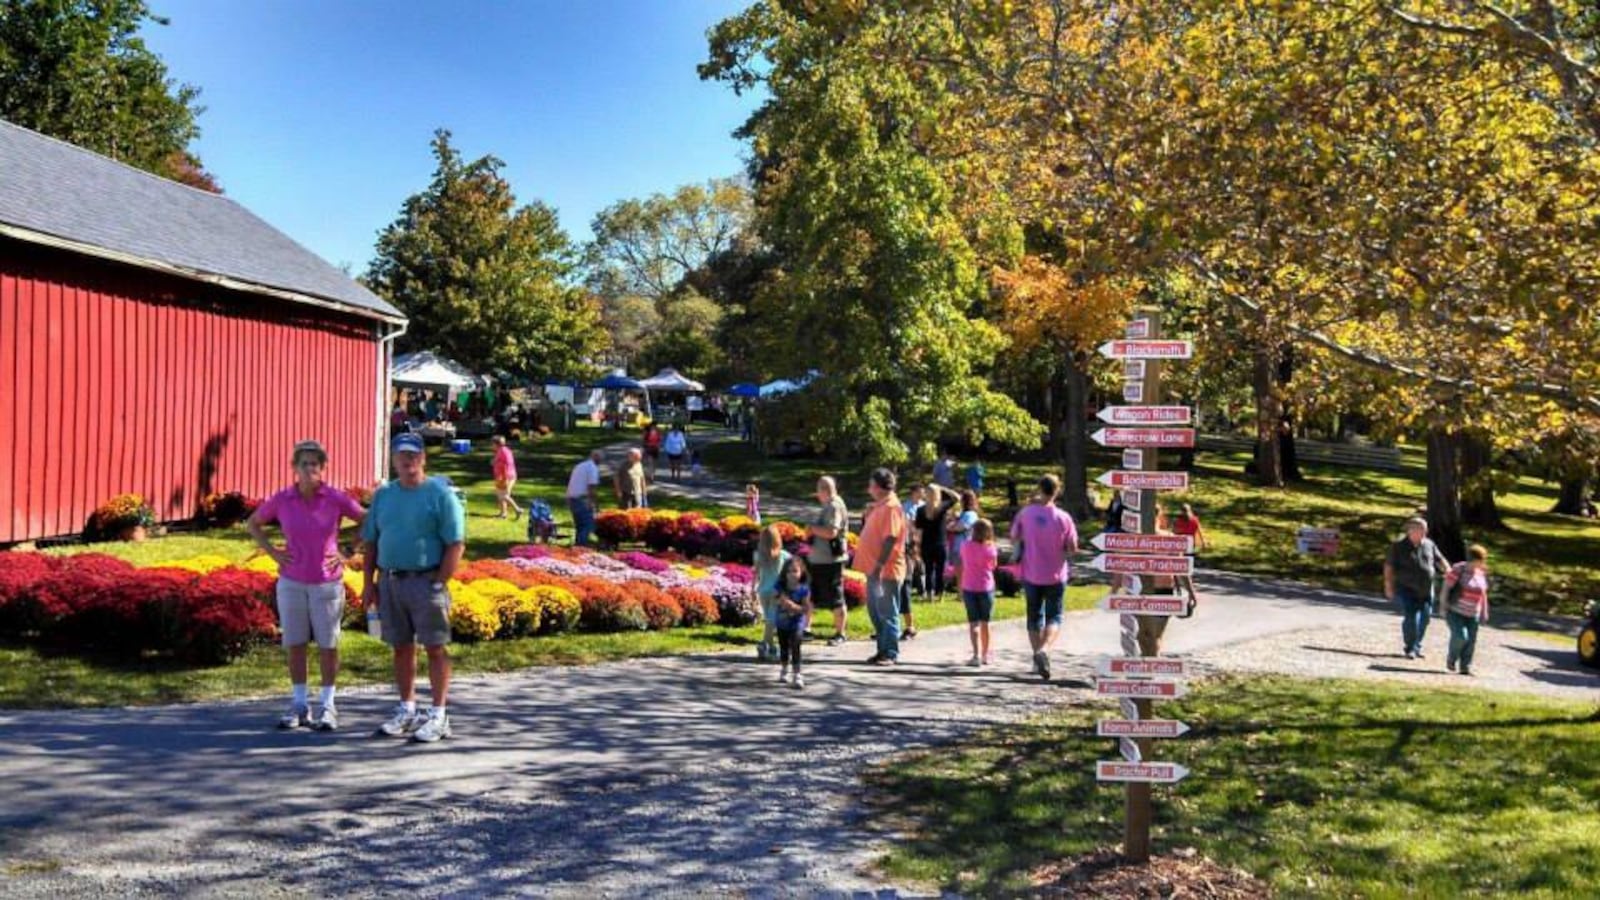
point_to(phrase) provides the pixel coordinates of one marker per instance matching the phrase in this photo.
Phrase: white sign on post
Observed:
(1133, 459)
(1147, 349)
(1133, 369)
(1151, 772)
(1123, 564)
(1141, 728)
(1146, 415)
(1145, 481)
(1146, 666)
(1133, 392)
(1140, 689)
(1156, 544)
(1145, 604)
(1144, 437)
(1137, 329)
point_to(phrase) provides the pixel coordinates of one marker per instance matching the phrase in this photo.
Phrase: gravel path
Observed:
(686, 776)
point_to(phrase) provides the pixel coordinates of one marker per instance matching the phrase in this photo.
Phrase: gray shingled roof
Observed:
(54, 188)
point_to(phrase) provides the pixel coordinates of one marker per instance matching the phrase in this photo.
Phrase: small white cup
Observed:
(374, 624)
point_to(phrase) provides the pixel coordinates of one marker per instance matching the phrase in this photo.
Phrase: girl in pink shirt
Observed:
(978, 560)
(1467, 606)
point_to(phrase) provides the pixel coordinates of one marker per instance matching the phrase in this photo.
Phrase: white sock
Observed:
(299, 695)
(410, 706)
(435, 712)
(326, 699)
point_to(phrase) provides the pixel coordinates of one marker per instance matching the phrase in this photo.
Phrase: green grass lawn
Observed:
(1541, 561)
(35, 678)
(1322, 788)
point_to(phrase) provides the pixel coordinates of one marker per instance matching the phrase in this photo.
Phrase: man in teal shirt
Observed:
(413, 538)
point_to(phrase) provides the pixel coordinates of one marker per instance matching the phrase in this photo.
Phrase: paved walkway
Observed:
(696, 775)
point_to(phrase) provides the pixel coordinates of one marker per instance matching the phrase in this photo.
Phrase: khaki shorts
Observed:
(412, 611)
(308, 612)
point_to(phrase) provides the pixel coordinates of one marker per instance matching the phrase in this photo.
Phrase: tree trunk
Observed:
(1444, 493)
(1573, 492)
(1269, 414)
(1477, 498)
(1075, 449)
(1289, 459)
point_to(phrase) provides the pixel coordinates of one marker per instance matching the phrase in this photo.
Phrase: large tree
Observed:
(78, 70)
(877, 284)
(484, 281)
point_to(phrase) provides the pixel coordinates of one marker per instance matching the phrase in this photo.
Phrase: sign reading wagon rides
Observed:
(1146, 415)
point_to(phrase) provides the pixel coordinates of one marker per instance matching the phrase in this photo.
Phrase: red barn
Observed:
(161, 340)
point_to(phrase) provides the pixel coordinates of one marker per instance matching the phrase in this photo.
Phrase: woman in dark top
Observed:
(930, 537)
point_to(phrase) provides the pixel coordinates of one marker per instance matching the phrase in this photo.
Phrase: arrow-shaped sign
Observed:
(1145, 481)
(1147, 349)
(1141, 728)
(1143, 565)
(1143, 690)
(1144, 437)
(1146, 604)
(1157, 666)
(1151, 772)
(1146, 415)
(1157, 544)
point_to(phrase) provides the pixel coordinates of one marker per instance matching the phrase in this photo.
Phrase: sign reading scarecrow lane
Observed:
(1153, 772)
(1147, 349)
(1141, 728)
(1144, 437)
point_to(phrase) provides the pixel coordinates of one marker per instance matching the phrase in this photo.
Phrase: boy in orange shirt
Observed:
(881, 556)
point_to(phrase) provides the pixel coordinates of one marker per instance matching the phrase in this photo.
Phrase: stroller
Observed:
(541, 522)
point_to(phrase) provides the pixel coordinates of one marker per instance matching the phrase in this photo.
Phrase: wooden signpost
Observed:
(1138, 557)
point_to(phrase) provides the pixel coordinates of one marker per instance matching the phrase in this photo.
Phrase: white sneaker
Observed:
(403, 722)
(435, 725)
(799, 681)
(976, 660)
(327, 719)
(783, 675)
(296, 716)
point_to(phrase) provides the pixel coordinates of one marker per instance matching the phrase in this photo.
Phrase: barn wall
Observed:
(113, 379)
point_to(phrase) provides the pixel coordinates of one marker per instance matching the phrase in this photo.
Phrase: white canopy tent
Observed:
(429, 371)
(671, 380)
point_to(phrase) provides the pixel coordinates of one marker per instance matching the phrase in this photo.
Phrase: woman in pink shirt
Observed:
(978, 560)
(505, 477)
(310, 576)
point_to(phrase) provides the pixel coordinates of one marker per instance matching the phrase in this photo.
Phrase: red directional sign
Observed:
(1142, 690)
(1146, 415)
(1141, 728)
(1145, 481)
(1152, 772)
(1145, 605)
(1147, 349)
(1158, 544)
(1144, 437)
(1144, 565)
(1167, 666)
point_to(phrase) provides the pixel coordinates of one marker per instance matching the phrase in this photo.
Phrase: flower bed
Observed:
(691, 534)
(198, 612)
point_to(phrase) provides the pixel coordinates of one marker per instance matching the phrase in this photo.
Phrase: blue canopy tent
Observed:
(745, 389)
(787, 385)
(618, 381)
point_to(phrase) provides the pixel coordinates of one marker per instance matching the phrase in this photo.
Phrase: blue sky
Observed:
(318, 114)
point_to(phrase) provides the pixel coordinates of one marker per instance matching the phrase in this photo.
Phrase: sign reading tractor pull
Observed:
(1155, 772)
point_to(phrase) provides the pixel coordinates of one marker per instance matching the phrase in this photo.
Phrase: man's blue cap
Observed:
(406, 443)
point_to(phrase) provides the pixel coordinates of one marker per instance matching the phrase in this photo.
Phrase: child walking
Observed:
(769, 564)
(979, 557)
(794, 609)
(752, 503)
(1466, 606)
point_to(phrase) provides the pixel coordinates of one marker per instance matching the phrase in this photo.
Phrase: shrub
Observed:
(735, 604)
(516, 613)
(497, 569)
(559, 609)
(739, 573)
(136, 611)
(473, 616)
(223, 614)
(791, 533)
(614, 527)
(607, 607)
(227, 509)
(697, 537)
(21, 574)
(660, 610)
(731, 524)
(74, 585)
(661, 531)
(855, 593)
(699, 608)
(117, 515)
(644, 562)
